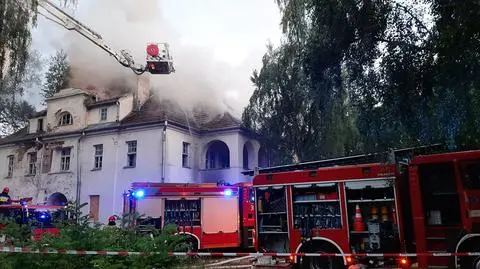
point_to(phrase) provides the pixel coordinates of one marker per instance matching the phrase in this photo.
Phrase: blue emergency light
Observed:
(228, 192)
(138, 194)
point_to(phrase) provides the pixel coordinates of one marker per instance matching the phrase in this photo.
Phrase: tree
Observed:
(16, 21)
(57, 76)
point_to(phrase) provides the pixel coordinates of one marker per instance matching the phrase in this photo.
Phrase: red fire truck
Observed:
(41, 217)
(211, 216)
(429, 204)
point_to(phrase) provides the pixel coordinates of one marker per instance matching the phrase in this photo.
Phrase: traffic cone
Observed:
(358, 224)
(374, 213)
(384, 211)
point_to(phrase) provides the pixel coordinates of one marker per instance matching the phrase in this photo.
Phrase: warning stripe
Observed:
(228, 254)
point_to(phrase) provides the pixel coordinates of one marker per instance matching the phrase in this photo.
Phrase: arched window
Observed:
(65, 119)
(217, 156)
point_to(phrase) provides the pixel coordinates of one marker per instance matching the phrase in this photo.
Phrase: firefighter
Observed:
(4, 197)
(112, 221)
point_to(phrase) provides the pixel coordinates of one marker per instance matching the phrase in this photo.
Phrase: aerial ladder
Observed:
(158, 57)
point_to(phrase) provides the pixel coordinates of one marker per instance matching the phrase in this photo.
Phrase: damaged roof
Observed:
(153, 111)
(165, 110)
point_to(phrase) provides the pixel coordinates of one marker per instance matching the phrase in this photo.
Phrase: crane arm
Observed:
(62, 18)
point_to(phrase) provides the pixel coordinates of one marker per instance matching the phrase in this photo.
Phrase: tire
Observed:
(320, 262)
(470, 262)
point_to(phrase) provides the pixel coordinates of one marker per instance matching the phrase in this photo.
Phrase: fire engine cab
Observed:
(211, 216)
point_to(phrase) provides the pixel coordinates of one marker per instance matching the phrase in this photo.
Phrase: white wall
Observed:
(114, 178)
(174, 172)
(72, 104)
(94, 114)
(126, 105)
(40, 186)
(33, 124)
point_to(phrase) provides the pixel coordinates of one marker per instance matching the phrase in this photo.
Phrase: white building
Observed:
(90, 150)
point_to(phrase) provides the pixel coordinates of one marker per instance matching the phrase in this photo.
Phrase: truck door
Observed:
(220, 222)
(470, 174)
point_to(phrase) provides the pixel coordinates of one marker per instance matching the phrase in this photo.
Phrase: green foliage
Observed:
(367, 76)
(57, 76)
(78, 233)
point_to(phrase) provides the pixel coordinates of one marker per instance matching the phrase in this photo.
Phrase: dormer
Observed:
(37, 122)
(66, 110)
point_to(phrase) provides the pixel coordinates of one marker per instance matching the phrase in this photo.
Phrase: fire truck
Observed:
(211, 216)
(428, 204)
(41, 217)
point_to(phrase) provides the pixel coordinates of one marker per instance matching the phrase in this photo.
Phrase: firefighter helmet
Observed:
(111, 219)
(6, 190)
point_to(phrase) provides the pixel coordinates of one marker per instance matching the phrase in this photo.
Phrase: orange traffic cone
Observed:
(384, 211)
(374, 213)
(358, 224)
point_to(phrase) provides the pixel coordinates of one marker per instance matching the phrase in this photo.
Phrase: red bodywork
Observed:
(436, 198)
(209, 227)
(342, 175)
(29, 211)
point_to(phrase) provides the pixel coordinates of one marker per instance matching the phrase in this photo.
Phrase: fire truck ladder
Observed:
(62, 18)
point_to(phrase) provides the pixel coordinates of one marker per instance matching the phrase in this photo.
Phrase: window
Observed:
(103, 113)
(65, 119)
(65, 159)
(10, 165)
(185, 155)
(39, 125)
(131, 153)
(98, 160)
(32, 163)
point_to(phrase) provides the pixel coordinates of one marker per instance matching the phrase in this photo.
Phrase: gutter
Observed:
(79, 169)
(164, 143)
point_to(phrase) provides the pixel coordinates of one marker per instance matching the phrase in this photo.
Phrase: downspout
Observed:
(39, 173)
(79, 168)
(164, 143)
(115, 175)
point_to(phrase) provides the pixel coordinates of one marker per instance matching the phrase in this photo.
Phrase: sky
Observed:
(215, 45)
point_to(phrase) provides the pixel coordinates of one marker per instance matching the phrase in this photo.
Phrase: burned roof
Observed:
(166, 110)
(153, 111)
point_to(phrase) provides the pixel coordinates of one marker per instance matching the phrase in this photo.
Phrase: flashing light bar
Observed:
(138, 193)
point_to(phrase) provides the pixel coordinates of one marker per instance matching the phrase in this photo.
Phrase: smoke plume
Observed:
(126, 24)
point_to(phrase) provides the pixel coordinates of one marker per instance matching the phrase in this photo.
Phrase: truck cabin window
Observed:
(471, 175)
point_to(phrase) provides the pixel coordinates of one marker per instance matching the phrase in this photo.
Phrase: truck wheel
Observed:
(321, 262)
(470, 262)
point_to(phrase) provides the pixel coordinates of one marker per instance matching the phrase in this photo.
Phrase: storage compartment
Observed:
(376, 230)
(182, 212)
(316, 206)
(272, 219)
(439, 192)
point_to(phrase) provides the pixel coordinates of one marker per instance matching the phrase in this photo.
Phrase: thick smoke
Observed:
(127, 24)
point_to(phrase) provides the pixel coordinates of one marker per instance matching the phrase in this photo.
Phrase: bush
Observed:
(78, 233)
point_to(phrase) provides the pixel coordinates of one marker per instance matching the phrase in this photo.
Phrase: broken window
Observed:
(10, 165)
(65, 119)
(65, 159)
(98, 159)
(32, 163)
(185, 155)
(218, 156)
(132, 153)
(103, 113)
(39, 125)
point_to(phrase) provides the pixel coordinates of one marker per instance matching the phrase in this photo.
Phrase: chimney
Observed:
(142, 92)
